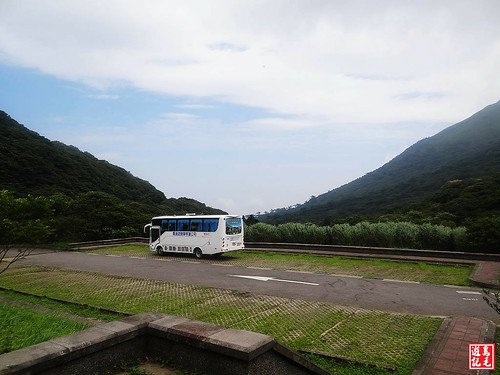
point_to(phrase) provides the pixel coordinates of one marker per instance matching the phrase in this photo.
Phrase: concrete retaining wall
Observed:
(190, 345)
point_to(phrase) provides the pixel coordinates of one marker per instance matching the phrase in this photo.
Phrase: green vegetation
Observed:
(363, 335)
(403, 235)
(22, 326)
(61, 307)
(451, 179)
(49, 185)
(87, 216)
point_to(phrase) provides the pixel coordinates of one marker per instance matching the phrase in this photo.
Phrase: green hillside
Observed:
(32, 164)
(72, 195)
(465, 150)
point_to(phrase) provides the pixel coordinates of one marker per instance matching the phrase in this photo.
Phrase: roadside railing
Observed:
(114, 241)
(332, 249)
(317, 248)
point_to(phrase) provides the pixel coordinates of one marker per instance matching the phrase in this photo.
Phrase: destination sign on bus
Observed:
(188, 234)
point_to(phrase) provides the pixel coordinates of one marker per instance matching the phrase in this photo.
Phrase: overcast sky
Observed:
(247, 105)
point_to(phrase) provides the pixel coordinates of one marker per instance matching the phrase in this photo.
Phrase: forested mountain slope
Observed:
(30, 163)
(72, 194)
(465, 150)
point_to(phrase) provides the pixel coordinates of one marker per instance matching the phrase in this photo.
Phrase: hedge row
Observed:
(387, 234)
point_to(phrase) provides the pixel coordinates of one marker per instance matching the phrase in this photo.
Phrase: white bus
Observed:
(195, 234)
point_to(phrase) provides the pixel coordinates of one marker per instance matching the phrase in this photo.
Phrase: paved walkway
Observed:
(448, 354)
(487, 274)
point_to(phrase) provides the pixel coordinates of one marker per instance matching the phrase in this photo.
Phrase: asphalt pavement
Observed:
(385, 295)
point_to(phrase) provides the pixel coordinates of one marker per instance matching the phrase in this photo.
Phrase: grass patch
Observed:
(373, 336)
(83, 311)
(22, 326)
(374, 268)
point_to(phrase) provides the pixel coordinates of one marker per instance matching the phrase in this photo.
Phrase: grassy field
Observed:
(380, 338)
(22, 326)
(375, 268)
(26, 320)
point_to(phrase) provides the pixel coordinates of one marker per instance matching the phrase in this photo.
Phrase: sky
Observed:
(247, 105)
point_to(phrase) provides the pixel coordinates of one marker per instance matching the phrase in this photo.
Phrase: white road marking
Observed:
(402, 281)
(298, 271)
(93, 254)
(190, 261)
(136, 257)
(113, 255)
(470, 299)
(222, 265)
(265, 278)
(260, 268)
(467, 292)
(351, 276)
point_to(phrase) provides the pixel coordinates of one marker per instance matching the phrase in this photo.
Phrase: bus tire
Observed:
(159, 250)
(198, 253)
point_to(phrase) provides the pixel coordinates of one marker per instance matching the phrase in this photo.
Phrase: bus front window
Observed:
(233, 226)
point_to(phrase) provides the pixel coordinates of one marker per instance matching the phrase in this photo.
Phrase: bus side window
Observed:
(210, 225)
(183, 224)
(172, 224)
(195, 225)
(164, 225)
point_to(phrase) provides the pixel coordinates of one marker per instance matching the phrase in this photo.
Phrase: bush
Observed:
(388, 234)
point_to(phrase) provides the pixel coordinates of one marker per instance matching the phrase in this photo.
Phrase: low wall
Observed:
(190, 345)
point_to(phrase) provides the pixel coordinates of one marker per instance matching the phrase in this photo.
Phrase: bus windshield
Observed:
(233, 225)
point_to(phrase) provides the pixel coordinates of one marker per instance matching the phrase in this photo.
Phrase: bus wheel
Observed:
(159, 250)
(198, 253)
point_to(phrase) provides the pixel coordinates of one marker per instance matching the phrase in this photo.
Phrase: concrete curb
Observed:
(190, 345)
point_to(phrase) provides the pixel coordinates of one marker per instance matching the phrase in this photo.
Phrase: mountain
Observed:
(32, 164)
(468, 149)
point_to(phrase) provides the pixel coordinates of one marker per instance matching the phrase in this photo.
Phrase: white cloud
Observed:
(345, 85)
(334, 61)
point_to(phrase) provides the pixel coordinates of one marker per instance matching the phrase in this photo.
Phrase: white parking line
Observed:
(402, 281)
(470, 299)
(222, 265)
(136, 257)
(467, 292)
(113, 255)
(351, 276)
(190, 261)
(265, 278)
(260, 268)
(296, 271)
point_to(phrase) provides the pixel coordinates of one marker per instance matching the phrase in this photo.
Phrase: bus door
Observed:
(154, 237)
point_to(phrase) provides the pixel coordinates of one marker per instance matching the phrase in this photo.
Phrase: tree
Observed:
(23, 221)
(250, 220)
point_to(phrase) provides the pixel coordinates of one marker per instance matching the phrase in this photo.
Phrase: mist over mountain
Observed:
(468, 149)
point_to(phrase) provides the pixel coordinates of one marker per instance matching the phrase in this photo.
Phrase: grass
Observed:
(22, 326)
(373, 268)
(373, 336)
(71, 308)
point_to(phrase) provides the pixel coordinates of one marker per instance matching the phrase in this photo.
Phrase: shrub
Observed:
(388, 234)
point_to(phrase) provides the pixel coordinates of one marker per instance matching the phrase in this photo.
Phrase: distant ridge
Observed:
(468, 149)
(32, 164)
